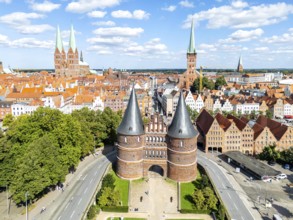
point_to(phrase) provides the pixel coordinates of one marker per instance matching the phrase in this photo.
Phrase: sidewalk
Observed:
(106, 215)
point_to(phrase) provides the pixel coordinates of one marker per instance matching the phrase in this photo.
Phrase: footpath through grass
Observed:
(122, 186)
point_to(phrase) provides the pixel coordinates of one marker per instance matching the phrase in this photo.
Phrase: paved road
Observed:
(78, 196)
(236, 208)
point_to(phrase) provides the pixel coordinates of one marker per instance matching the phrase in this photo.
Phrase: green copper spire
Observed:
(72, 44)
(59, 44)
(191, 48)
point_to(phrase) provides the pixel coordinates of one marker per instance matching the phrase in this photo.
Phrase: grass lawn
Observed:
(187, 190)
(122, 186)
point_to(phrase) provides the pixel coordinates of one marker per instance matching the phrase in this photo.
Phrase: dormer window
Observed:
(130, 129)
(180, 131)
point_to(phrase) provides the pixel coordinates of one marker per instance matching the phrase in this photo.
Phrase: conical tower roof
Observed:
(131, 123)
(181, 126)
(59, 44)
(72, 43)
(191, 48)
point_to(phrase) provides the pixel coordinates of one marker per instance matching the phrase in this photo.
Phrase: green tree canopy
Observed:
(198, 199)
(220, 81)
(269, 153)
(109, 197)
(206, 83)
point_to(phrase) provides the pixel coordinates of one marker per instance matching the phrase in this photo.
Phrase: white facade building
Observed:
(199, 104)
(227, 106)
(22, 108)
(189, 100)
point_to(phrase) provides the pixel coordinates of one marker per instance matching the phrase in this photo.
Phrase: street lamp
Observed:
(26, 211)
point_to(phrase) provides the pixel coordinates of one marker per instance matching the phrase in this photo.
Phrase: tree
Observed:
(8, 119)
(109, 197)
(210, 199)
(252, 114)
(269, 114)
(192, 113)
(287, 156)
(198, 199)
(269, 153)
(108, 181)
(206, 83)
(221, 212)
(220, 81)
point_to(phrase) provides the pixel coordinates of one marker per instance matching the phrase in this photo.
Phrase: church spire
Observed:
(191, 48)
(181, 126)
(131, 123)
(59, 44)
(81, 57)
(72, 44)
(240, 65)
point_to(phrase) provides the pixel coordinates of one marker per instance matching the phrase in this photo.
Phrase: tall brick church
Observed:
(70, 64)
(168, 150)
(188, 77)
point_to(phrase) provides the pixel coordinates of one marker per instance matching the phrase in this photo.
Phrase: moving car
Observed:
(266, 179)
(272, 163)
(286, 166)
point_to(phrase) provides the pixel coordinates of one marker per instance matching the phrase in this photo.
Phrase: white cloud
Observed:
(66, 33)
(31, 43)
(97, 14)
(6, 1)
(241, 35)
(170, 8)
(26, 43)
(3, 39)
(186, 4)
(119, 31)
(19, 18)
(22, 22)
(240, 15)
(136, 14)
(108, 40)
(104, 23)
(82, 6)
(45, 6)
(284, 38)
(239, 4)
(34, 29)
(261, 49)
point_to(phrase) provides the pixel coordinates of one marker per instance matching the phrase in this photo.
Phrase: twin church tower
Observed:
(154, 146)
(70, 64)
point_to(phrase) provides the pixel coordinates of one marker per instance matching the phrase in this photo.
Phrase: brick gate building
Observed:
(170, 151)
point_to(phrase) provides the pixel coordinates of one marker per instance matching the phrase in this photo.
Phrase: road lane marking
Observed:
(84, 177)
(66, 206)
(85, 190)
(72, 214)
(229, 196)
(96, 172)
(91, 181)
(79, 201)
(59, 217)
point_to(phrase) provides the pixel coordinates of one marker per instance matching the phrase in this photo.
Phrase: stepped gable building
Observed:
(69, 65)
(190, 74)
(170, 151)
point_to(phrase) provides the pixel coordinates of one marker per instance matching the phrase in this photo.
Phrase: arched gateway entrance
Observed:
(155, 171)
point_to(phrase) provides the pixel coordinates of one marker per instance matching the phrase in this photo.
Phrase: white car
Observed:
(281, 176)
(266, 179)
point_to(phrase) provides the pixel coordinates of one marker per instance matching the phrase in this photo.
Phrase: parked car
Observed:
(281, 176)
(286, 166)
(272, 163)
(266, 179)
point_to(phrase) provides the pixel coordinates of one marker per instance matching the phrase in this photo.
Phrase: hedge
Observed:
(115, 208)
(194, 211)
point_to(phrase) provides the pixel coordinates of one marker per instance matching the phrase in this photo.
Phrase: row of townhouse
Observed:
(279, 107)
(230, 133)
(69, 100)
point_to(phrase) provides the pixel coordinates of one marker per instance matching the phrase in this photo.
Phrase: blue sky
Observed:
(149, 33)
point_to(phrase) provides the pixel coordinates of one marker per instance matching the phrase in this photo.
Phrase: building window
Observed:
(125, 139)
